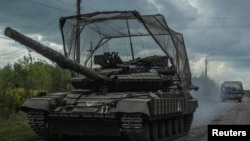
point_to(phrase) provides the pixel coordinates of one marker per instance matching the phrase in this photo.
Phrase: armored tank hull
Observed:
(140, 117)
(140, 99)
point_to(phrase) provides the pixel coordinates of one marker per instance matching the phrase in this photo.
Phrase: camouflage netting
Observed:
(101, 30)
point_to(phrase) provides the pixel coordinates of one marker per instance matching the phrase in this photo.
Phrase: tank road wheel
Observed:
(175, 125)
(187, 122)
(162, 128)
(147, 131)
(169, 128)
(154, 131)
(181, 125)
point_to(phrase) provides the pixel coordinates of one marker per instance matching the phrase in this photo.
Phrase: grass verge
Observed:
(16, 128)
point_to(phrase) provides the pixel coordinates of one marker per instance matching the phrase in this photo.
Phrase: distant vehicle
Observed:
(231, 90)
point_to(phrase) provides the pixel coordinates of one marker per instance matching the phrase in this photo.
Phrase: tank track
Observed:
(38, 122)
(135, 129)
(134, 126)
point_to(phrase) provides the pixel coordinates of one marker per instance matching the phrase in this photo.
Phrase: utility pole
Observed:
(206, 64)
(91, 57)
(78, 32)
(206, 68)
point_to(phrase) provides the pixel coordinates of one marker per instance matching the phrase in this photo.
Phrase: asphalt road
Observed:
(221, 113)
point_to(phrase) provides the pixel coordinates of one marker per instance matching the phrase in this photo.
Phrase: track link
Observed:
(132, 127)
(135, 129)
(38, 122)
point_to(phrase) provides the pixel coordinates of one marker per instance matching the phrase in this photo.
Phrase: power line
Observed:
(13, 53)
(45, 5)
(208, 18)
(53, 20)
(66, 2)
(214, 27)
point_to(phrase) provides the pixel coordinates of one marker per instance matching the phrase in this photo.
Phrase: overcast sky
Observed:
(221, 27)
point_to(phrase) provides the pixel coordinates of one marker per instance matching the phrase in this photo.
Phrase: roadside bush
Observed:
(26, 78)
(12, 99)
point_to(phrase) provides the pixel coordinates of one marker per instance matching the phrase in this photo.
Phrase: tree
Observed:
(26, 78)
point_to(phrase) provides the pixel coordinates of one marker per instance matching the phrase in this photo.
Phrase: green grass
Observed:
(16, 128)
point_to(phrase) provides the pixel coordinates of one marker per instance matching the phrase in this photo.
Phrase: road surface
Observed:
(222, 113)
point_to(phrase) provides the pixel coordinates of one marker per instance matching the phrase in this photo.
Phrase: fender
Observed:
(39, 103)
(133, 106)
(45, 103)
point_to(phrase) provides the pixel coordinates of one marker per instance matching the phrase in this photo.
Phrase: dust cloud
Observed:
(210, 105)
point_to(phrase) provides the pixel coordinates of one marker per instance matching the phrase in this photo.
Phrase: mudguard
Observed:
(133, 106)
(39, 103)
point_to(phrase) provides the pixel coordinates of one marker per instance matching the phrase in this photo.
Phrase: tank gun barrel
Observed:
(53, 55)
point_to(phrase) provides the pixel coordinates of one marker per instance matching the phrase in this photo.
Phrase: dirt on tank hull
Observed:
(143, 99)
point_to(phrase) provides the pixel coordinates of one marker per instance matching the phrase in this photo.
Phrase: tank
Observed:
(232, 90)
(130, 74)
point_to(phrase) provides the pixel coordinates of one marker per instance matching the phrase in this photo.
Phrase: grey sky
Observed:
(209, 26)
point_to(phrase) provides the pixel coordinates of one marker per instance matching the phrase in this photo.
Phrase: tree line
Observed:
(26, 78)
